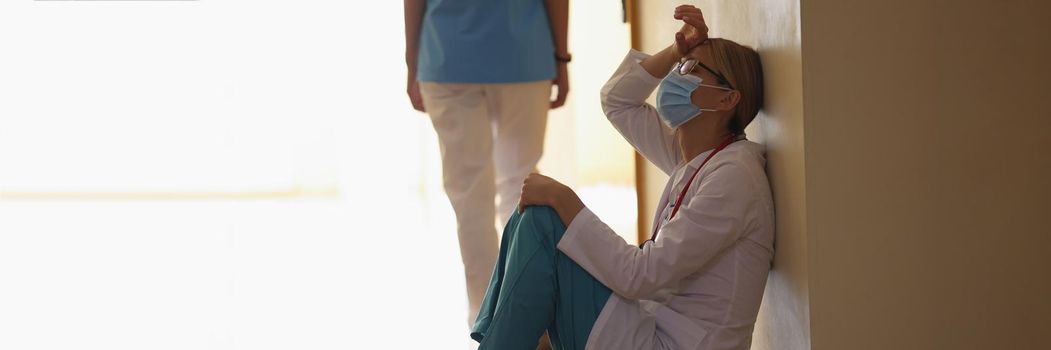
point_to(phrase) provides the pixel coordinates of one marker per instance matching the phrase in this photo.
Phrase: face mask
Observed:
(673, 98)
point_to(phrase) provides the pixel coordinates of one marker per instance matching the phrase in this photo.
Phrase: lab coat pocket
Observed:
(678, 331)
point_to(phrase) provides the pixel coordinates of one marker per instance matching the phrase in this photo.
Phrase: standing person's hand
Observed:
(694, 31)
(561, 82)
(413, 89)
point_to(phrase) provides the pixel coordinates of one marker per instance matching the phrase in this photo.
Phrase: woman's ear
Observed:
(729, 100)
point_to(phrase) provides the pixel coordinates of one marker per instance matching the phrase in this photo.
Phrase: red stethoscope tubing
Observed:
(678, 201)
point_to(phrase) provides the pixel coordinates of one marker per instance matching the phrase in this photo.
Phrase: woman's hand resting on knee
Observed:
(542, 190)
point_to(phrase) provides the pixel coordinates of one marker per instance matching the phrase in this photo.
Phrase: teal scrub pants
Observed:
(536, 288)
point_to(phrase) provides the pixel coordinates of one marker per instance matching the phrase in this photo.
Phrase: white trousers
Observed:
(491, 137)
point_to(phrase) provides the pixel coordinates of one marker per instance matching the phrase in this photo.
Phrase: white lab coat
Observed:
(699, 285)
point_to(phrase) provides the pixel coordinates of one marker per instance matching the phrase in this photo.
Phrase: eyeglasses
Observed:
(687, 66)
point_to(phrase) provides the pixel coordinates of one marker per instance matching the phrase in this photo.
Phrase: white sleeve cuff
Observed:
(574, 231)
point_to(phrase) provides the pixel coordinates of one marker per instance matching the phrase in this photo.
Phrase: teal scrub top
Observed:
(485, 41)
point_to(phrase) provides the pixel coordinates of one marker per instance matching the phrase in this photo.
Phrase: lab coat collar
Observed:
(696, 161)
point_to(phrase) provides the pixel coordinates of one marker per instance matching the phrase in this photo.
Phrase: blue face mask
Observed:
(673, 98)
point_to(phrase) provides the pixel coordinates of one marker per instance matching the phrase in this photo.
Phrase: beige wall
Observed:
(911, 218)
(772, 27)
(927, 167)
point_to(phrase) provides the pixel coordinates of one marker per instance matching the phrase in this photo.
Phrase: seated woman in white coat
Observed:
(698, 282)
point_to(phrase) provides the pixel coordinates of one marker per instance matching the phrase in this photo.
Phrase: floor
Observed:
(324, 273)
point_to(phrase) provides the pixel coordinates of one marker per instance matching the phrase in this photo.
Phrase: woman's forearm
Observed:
(659, 64)
(568, 205)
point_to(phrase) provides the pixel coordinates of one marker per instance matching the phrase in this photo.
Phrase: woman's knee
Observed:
(541, 222)
(541, 213)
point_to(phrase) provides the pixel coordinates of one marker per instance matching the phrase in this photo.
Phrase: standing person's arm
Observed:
(558, 17)
(414, 10)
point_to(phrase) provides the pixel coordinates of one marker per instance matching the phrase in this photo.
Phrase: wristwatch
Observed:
(563, 59)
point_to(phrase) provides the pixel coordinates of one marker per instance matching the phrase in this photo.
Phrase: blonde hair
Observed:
(741, 66)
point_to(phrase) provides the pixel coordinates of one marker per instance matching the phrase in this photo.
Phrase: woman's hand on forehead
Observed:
(694, 32)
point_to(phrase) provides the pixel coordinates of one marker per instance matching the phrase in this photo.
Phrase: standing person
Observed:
(483, 70)
(698, 282)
